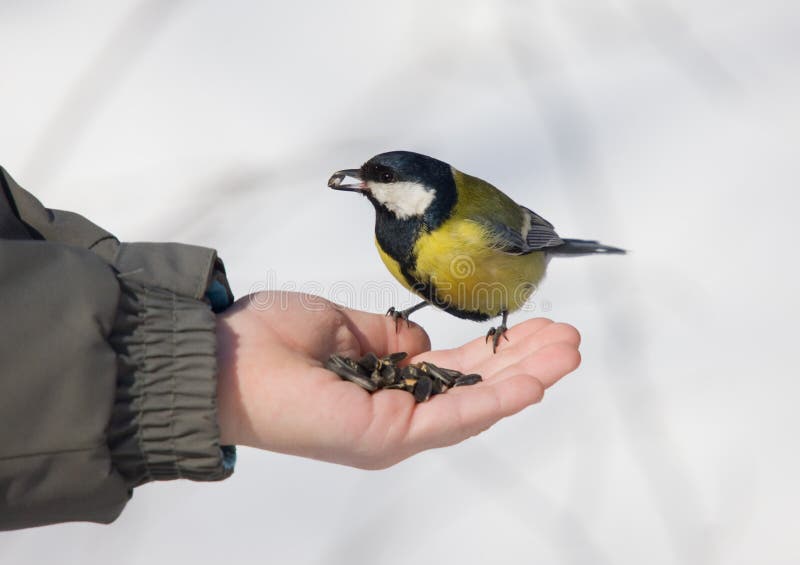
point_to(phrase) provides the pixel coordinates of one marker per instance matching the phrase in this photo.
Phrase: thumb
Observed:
(381, 335)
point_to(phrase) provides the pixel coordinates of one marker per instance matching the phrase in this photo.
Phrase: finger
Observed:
(511, 354)
(548, 365)
(527, 338)
(560, 332)
(477, 351)
(461, 413)
(380, 334)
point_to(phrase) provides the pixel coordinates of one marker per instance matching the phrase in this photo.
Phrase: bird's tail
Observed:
(575, 247)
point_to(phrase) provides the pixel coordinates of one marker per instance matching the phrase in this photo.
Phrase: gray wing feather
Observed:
(536, 219)
(505, 238)
(540, 235)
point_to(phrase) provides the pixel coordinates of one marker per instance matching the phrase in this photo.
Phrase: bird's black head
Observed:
(404, 185)
(405, 166)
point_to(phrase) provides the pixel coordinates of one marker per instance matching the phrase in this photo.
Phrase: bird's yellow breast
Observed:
(392, 265)
(467, 274)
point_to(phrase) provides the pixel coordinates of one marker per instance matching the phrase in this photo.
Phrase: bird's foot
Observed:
(398, 315)
(495, 334)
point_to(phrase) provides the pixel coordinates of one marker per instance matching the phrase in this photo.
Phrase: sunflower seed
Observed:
(423, 379)
(438, 387)
(437, 373)
(466, 380)
(423, 388)
(369, 362)
(395, 357)
(345, 371)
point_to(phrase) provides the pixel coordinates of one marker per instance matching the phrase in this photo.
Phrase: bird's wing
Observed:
(512, 228)
(535, 233)
(502, 237)
(541, 233)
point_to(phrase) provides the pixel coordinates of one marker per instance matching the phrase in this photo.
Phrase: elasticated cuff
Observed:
(164, 422)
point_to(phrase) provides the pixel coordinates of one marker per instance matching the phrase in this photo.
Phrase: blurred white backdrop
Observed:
(668, 127)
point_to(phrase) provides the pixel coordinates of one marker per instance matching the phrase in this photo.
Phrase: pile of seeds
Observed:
(423, 380)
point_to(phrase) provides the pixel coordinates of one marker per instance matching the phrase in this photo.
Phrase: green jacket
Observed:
(107, 365)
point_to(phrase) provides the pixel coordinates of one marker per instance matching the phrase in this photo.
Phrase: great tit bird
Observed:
(455, 240)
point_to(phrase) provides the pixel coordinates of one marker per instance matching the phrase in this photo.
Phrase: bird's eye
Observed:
(387, 176)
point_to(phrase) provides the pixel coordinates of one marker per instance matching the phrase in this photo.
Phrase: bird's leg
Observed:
(495, 333)
(403, 314)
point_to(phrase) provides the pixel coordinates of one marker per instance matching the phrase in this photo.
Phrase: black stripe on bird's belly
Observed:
(428, 291)
(473, 315)
(397, 237)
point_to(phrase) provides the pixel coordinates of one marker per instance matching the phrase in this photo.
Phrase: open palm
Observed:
(275, 394)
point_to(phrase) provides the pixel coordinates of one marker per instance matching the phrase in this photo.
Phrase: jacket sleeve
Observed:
(107, 365)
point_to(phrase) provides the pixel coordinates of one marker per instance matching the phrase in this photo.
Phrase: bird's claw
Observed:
(495, 334)
(398, 315)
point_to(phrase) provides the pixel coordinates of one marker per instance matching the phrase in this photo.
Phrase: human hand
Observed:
(274, 393)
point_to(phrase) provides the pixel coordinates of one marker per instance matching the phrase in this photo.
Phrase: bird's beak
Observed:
(335, 182)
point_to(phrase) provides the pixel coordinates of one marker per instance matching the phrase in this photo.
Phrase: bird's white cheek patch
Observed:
(405, 199)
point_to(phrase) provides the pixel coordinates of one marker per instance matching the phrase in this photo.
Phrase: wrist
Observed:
(162, 426)
(227, 389)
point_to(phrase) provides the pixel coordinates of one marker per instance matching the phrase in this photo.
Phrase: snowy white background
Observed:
(670, 128)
